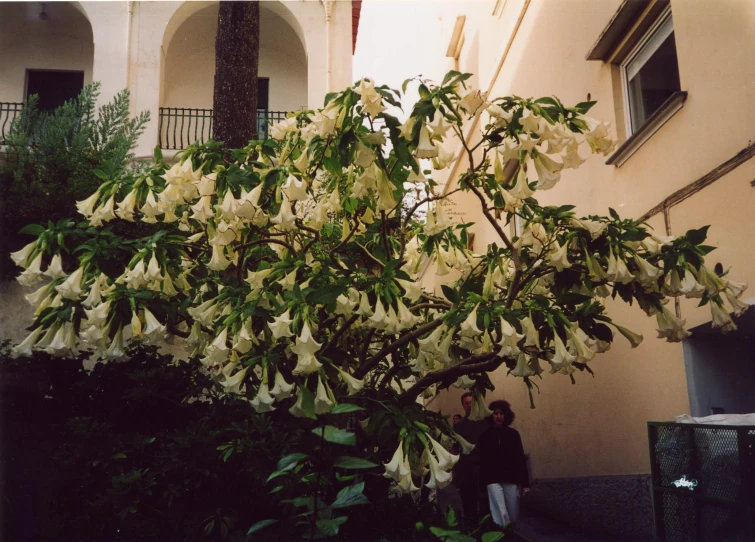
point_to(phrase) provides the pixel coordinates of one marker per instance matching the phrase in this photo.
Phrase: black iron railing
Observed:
(8, 112)
(182, 126)
(702, 482)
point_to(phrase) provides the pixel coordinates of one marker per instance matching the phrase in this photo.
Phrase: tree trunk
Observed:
(237, 48)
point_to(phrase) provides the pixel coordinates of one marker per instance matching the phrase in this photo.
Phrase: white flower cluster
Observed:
(435, 459)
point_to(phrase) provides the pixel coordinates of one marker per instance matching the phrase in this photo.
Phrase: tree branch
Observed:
(341, 330)
(473, 364)
(290, 248)
(371, 363)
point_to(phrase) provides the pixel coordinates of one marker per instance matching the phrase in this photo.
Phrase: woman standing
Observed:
(503, 466)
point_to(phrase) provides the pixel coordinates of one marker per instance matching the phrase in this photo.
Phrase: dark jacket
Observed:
(466, 470)
(502, 459)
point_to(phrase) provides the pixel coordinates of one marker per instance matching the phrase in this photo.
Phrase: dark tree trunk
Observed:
(237, 48)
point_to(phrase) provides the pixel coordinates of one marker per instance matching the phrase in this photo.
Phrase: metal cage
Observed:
(702, 482)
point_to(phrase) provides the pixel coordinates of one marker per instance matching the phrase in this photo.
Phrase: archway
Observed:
(40, 43)
(189, 69)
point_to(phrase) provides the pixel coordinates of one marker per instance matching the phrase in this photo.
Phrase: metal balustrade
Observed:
(179, 127)
(8, 112)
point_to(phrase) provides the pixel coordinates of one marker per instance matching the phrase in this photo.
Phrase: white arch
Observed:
(61, 41)
(188, 8)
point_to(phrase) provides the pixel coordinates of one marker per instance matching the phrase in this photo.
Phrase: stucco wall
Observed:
(190, 62)
(61, 42)
(597, 427)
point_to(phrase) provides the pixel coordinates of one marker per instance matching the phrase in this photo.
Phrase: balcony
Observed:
(179, 127)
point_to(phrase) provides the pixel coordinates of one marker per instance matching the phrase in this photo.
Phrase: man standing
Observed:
(467, 470)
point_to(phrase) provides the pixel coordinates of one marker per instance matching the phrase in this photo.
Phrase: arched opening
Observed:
(47, 49)
(189, 71)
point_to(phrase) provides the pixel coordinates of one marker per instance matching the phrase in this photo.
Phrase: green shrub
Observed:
(51, 160)
(128, 451)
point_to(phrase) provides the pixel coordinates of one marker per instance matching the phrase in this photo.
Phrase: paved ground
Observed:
(538, 529)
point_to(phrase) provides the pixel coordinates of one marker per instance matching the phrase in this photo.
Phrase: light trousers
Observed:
(504, 503)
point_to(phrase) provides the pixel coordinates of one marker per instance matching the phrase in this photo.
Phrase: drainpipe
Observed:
(130, 18)
(328, 5)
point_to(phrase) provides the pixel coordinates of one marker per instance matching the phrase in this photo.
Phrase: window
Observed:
(650, 74)
(638, 42)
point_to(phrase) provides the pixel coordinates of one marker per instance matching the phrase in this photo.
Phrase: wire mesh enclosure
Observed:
(182, 126)
(702, 482)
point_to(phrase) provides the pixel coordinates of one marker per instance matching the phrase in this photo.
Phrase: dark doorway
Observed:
(263, 93)
(721, 368)
(54, 87)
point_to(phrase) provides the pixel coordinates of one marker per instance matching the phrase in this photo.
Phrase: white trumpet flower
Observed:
(721, 318)
(425, 147)
(396, 467)
(22, 257)
(86, 207)
(670, 327)
(634, 338)
(323, 400)
(71, 287)
(438, 477)
(281, 389)
(25, 347)
(446, 460)
(480, 410)
(153, 330)
(469, 327)
(285, 219)
(218, 262)
(352, 384)
(305, 349)
(234, 384)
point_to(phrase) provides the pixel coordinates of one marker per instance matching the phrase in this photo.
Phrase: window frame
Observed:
(654, 37)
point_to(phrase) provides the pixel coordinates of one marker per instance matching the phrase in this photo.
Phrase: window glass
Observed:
(652, 74)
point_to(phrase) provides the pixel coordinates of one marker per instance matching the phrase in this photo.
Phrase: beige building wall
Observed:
(190, 62)
(538, 48)
(62, 41)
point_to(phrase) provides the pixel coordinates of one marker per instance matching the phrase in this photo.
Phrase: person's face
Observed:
(457, 417)
(466, 403)
(498, 417)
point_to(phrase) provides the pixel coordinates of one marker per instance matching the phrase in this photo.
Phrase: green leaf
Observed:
(492, 536)
(342, 408)
(308, 402)
(261, 525)
(32, 229)
(349, 462)
(350, 496)
(157, 154)
(325, 295)
(289, 461)
(329, 527)
(336, 435)
(696, 237)
(614, 214)
(584, 107)
(100, 174)
(451, 294)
